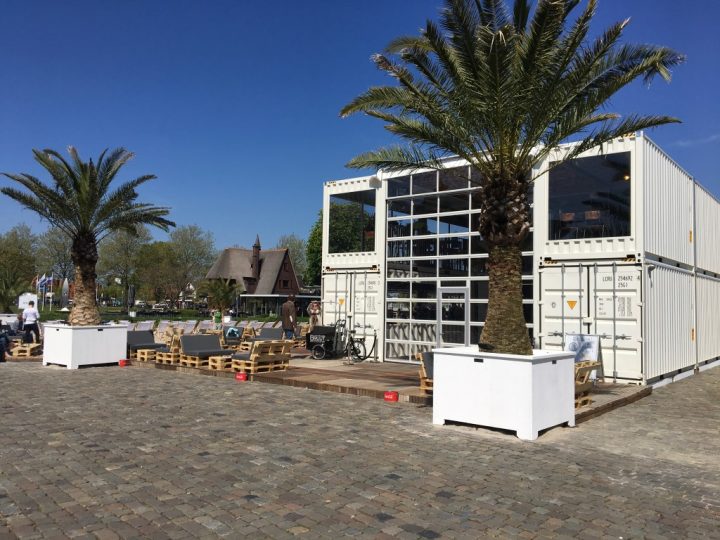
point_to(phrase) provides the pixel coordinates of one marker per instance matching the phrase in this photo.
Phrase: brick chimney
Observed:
(256, 259)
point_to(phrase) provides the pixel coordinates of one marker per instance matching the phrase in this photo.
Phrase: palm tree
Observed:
(81, 204)
(502, 90)
(221, 293)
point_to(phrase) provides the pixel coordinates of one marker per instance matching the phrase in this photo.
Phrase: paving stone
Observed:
(135, 453)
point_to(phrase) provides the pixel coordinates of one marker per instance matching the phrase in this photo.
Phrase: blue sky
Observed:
(234, 104)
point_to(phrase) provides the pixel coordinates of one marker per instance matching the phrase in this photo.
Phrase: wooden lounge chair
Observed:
(170, 354)
(426, 360)
(187, 327)
(263, 334)
(144, 325)
(197, 348)
(142, 340)
(263, 356)
(583, 384)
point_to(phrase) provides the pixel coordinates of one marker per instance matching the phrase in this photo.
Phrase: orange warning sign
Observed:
(572, 303)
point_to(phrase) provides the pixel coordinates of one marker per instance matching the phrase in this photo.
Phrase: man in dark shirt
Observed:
(289, 317)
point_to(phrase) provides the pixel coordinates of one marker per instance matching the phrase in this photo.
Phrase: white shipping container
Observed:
(708, 331)
(707, 230)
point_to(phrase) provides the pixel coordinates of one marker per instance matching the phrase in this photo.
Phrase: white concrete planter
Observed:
(75, 346)
(521, 393)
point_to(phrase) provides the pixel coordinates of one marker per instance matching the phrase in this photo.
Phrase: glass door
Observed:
(453, 317)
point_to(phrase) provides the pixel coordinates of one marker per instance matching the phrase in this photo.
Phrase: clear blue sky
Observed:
(234, 104)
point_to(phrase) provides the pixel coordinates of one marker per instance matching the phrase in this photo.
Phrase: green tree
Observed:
(221, 293)
(313, 253)
(80, 202)
(502, 89)
(19, 249)
(54, 253)
(296, 248)
(118, 257)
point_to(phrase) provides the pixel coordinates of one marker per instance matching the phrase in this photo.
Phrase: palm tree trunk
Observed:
(505, 329)
(84, 255)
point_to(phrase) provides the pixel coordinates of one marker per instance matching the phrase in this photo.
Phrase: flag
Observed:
(42, 281)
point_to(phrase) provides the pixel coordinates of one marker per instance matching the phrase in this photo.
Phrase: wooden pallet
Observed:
(167, 357)
(192, 361)
(220, 363)
(582, 400)
(26, 350)
(145, 355)
(259, 366)
(583, 384)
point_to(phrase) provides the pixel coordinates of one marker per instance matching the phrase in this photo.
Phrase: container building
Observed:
(625, 245)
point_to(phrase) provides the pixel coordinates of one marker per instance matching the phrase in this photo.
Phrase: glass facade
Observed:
(432, 243)
(590, 198)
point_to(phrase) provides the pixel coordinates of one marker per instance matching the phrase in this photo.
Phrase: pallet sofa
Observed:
(141, 345)
(195, 350)
(263, 356)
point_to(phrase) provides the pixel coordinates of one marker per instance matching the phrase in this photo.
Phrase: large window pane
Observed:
(478, 267)
(424, 289)
(398, 310)
(398, 289)
(479, 290)
(424, 182)
(425, 311)
(454, 224)
(424, 226)
(456, 202)
(399, 208)
(454, 245)
(398, 186)
(424, 248)
(424, 268)
(424, 205)
(398, 269)
(590, 197)
(455, 178)
(478, 245)
(478, 312)
(423, 332)
(398, 248)
(352, 222)
(453, 267)
(398, 228)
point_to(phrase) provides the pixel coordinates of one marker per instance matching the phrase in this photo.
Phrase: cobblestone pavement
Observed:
(112, 452)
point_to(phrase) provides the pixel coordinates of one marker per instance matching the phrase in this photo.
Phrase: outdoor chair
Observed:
(144, 325)
(263, 356)
(187, 327)
(197, 348)
(426, 360)
(170, 353)
(232, 336)
(141, 345)
(204, 326)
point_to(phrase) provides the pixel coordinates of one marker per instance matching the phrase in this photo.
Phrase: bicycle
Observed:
(342, 343)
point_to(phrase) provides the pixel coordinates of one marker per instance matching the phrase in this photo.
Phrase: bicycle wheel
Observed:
(318, 352)
(357, 351)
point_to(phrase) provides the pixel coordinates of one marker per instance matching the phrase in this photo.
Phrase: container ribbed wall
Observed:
(667, 206)
(708, 317)
(668, 313)
(707, 230)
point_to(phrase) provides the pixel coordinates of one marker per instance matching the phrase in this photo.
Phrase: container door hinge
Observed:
(691, 236)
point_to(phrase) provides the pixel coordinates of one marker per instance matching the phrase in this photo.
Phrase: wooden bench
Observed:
(264, 356)
(198, 348)
(141, 340)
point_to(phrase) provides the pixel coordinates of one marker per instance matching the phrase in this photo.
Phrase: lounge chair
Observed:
(144, 325)
(426, 359)
(187, 327)
(263, 356)
(141, 345)
(204, 326)
(196, 349)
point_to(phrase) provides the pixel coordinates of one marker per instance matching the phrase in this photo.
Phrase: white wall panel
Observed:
(707, 230)
(668, 313)
(667, 206)
(708, 318)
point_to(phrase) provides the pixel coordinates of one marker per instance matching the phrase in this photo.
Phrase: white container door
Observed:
(596, 299)
(453, 316)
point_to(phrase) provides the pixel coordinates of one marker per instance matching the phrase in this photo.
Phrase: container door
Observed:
(603, 300)
(355, 298)
(453, 319)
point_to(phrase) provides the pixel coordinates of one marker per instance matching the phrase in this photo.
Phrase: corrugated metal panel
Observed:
(707, 230)
(708, 318)
(602, 299)
(668, 335)
(667, 206)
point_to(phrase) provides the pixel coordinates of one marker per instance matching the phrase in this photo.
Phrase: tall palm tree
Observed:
(502, 90)
(81, 204)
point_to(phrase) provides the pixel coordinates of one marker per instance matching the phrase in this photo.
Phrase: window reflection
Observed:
(590, 197)
(424, 311)
(399, 228)
(424, 182)
(424, 205)
(455, 178)
(399, 248)
(399, 186)
(424, 289)
(455, 245)
(424, 268)
(399, 208)
(352, 222)
(424, 226)
(424, 248)
(459, 202)
(453, 267)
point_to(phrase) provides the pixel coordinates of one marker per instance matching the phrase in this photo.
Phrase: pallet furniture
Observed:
(145, 355)
(195, 350)
(140, 339)
(26, 350)
(426, 360)
(220, 363)
(583, 384)
(171, 353)
(264, 356)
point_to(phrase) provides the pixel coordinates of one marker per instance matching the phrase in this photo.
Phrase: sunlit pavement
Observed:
(129, 452)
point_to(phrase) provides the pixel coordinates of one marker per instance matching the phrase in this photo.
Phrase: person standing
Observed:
(289, 317)
(30, 322)
(217, 319)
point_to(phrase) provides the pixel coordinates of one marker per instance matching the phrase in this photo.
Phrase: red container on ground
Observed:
(123, 363)
(241, 376)
(391, 395)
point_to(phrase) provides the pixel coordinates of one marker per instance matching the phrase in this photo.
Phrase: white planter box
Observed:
(75, 346)
(521, 393)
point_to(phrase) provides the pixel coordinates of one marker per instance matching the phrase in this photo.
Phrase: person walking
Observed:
(31, 317)
(289, 317)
